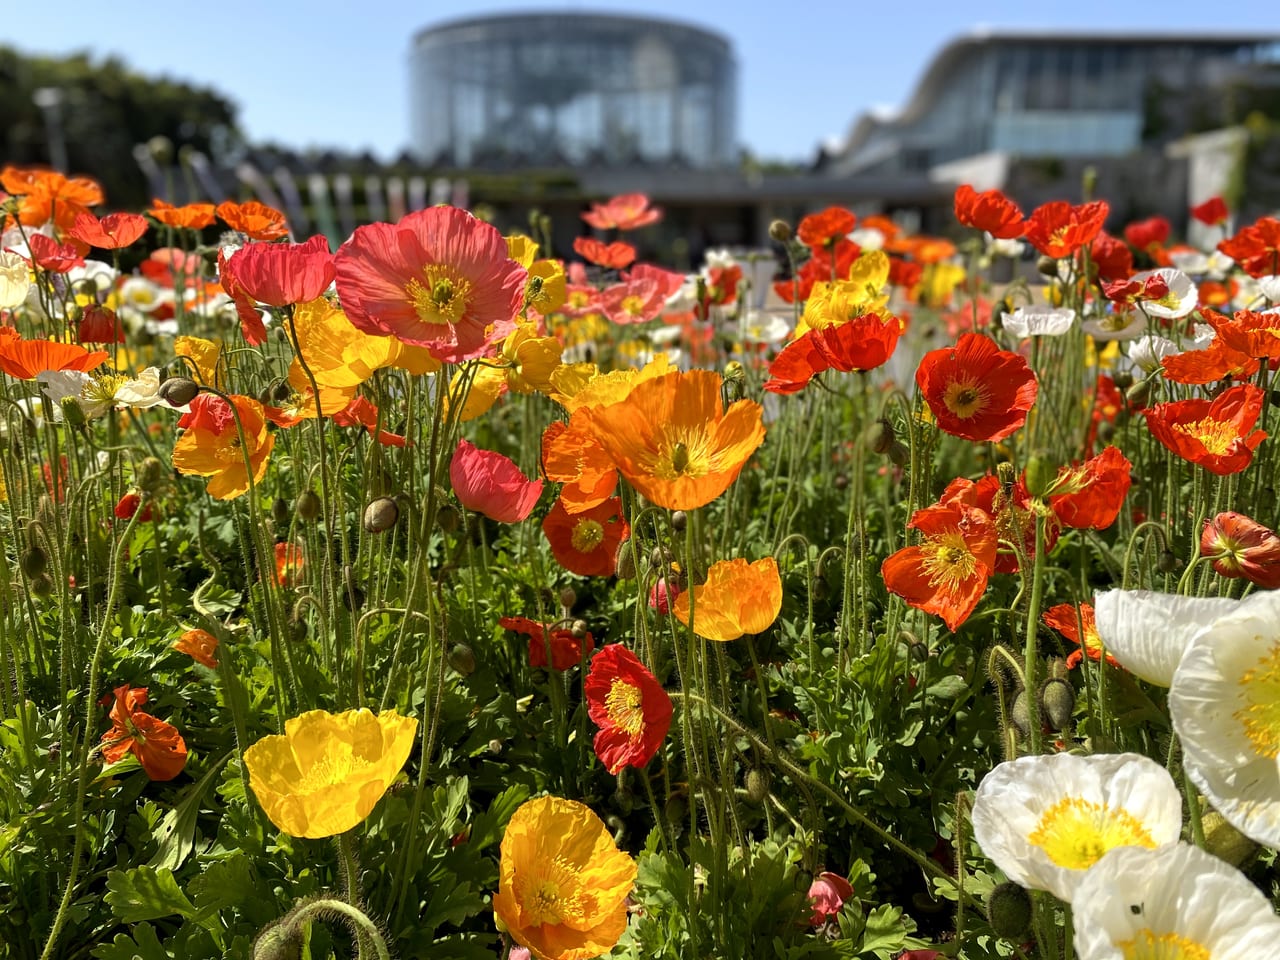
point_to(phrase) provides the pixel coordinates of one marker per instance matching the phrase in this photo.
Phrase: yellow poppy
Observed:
(204, 354)
(213, 446)
(738, 598)
(522, 249)
(563, 885)
(529, 360)
(328, 771)
(546, 289)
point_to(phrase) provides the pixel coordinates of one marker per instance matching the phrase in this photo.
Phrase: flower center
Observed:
(1148, 945)
(948, 560)
(103, 389)
(682, 455)
(623, 704)
(550, 892)
(1075, 833)
(331, 768)
(441, 296)
(1260, 695)
(633, 305)
(587, 535)
(964, 398)
(1216, 436)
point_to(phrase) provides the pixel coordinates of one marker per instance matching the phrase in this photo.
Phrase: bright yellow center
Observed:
(331, 768)
(1260, 695)
(964, 398)
(948, 560)
(587, 535)
(103, 389)
(579, 299)
(622, 703)
(1074, 833)
(633, 305)
(681, 453)
(441, 296)
(1216, 436)
(551, 892)
(1162, 946)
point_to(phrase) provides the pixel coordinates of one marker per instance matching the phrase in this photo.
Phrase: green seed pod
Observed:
(1168, 562)
(579, 629)
(33, 561)
(1009, 911)
(178, 391)
(307, 506)
(780, 231)
(1057, 702)
(1047, 266)
(280, 513)
(1123, 379)
(72, 412)
(1139, 394)
(758, 782)
(626, 561)
(1040, 474)
(880, 436)
(679, 520)
(280, 941)
(380, 515)
(150, 475)
(1020, 715)
(463, 659)
(899, 453)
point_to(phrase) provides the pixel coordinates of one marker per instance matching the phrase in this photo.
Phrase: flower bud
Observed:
(626, 561)
(448, 517)
(899, 453)
(297, 629)
(280, 941)
(1057, 702)
(33, 561)
(178, 391)
(880, 436)
(280, 512)
(380, 515)
(42, 585)
(780, 231)
(1123, 379)
(568, 597)
(1139, 393)
(679, 520)
(463, 659)
(1020, 715)
(280, 392)
(307, 506)
(758, 782)
(1167, 562)
(1009, 911)
(1106, 431)
(1047, 266)
(150, 475)
(72, 412)
(1040, 474)
(579, 629)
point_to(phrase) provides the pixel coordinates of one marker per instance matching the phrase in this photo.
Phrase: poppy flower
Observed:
(48, 254)
(328, 771)
(634, 301)
(976, 390)
(1212, 213)
(1241, 547)
(1213, 433)
(1148, 633)
(947, 573)
(361, 413)
(439, 278)
(528, 360)
(99, 324)
(738, 598)
(1089, 496)
(255, 220)
(567, 650)
(990, 210)
(200, 646)
(1255, 334)
(27, 359)
(629, 706)
(1132, 290)
(1083, 632)
(128, 505)
(1147, 234)
(861, 344)
(191, 216)
(157, 744)
(212, 444)
(562, 882)
(1057, 229)
(721, 287)
(821, 231)
(586, 543)
(113, 232)
(290, 562)
(489, 483)
(674, 441)
(668, 281)
(1012, 512)
(628, 211)
(1218, 361)
(827, 894)
(572, 456)
(1256, 247)
(252, 326)
(279, 274)
(1111, 257)
(1037, 321)
(49, 196)
(611, 256)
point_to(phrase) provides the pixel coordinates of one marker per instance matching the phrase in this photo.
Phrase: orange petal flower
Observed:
(1215, 362)
(49, 195)
(630, 211)
(200, 645)
(1083, 633)
(27, 359)
(990, 210)
(1057, 229)
(1241, 547)
(976, 390)
(1213, 433)
(586, 543)
(192, 216)
(1249, 332)
(820, 231)
(112, 232)
(1256, 247)
(255, 220)
(612, 256)
(947, 574)
(157, 745)
(738, 598)
(211, 445)
(674, 441)
(1089, 496)
(571, 456)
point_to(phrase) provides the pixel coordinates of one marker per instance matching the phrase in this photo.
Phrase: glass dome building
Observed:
(572, 89)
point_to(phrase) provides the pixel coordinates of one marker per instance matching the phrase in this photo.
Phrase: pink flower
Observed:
(663, 595)
(668, 281)
(489, 483)
(279, 274)
(828, 892)
(439, 279)
(636, 301)
(1241, 547)
(628, 211)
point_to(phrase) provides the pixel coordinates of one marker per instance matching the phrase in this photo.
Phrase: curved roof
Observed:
(559, 17)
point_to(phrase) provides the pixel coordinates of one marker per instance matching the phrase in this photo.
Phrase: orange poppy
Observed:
(113, 232)
(630, 211)
(200, 645)
(211, 445)
(1082, 632)
(1218, 361)
(947, 574)
(821, 231)
(1256, 247)
(255, 220)
(1249, 332)
(990, 210)
(976, 390)
(157, 744)
(861, 344)
(629, 706)
(1241, 547)
(738, 598)
(1013, 514)
(50, 196)
(611, 256)
(191, 216)
(290, 562)
(27, 359)
(674, 441)
(1089, 496)
(1213, 433)
(1057, 229)
(586, 543)
(572, 457)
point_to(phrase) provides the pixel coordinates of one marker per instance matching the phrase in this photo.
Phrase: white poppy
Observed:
(1039, 321)
(1148, 352)
(1010, 249)
(1148, 632)
(15, 280)
(720, 258)
(101, 275)
(99, 393)
(868, 238)
(762, 327)
(1181, 299)
(1270, 288)
(1225, 706)
(1045, 820)
(1122, 325)
(1172, 903)
(58, 385)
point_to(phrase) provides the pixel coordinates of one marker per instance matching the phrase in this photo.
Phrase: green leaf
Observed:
(143, 945)
(176, 832)
(145, 893)
(887, 932)
(948, 688)
(225, 884)
(488, 827)
(449, 904)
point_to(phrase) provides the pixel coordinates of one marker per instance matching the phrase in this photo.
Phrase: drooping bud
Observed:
(1167, 562)
(679, 520)
(899, 453)
(1139, 393)
(1009, 911)
(463, 659)
(178, 391)
(380, 515)
(280, 941)
(880, 436)
(307, 506)
(1047, 266)
(757, 783)
(33, 561)
(280, 512)
(568, 597)
(626, 561)
(1057, 702)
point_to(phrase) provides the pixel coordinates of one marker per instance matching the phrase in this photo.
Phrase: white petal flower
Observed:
(1011, 249)
(1039, 321)
(1193, 262)
(1149, 352)
(1172, 903)
(1270, 288)
(60, 384)
(1225, 706)
(720, 258)
(759, 326)
(1181, 299)
(1123, 325)
(1045, 820)
(868, 238)
(102, 275)
(15, 280)
(1148, 632)
(142, 393)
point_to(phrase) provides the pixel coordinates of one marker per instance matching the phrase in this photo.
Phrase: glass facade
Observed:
(572, 90)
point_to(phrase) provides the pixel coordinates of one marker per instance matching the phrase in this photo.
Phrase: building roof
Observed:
(581, 17)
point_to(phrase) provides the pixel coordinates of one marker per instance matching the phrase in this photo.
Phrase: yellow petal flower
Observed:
(530, 359)
(522, 249)
(546, 289)
(328, 771)
(738, 598)
(203, 353)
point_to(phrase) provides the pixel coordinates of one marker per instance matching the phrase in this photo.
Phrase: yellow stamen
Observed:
(1075, 833)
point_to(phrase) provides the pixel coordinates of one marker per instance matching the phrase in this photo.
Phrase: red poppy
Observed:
(587, 542)
(1252, 333)
(947, 574)
(99, 324)
(721, 286)
(827, 894)
(49, 254)
(128, 505)
(990, 210)
(192, 216)
(629, 211)
(27, 359)
(200, 646)
(1083, 632)
(611, 256)
(1133, 290)
(361, 413)
(489, 483)
(255, 220)
(1256, 247)
(1216, 362)
(290, 563)
(1089, 496)
(157, 744)
(566, 649)
(1241, 547)
(861, 344)
(1111, 256)
(821, 231)
(905, 273)
(976, 390)
(818, 270)
(1213, 433)
(629, 706)
(279, 274)
(1012, 513)
(1148, 234)
(1057, 229)
(252, 327)
(112, 232)
(171, 266)
(1212, 213)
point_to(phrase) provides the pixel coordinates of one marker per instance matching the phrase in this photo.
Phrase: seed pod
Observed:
(33, 561)
(568, 597)
(1009, 911)
(780, 231)
(679, 520)
(1057, 702)
(626, 561)
(381, 515)
(280, 513)
(307, 506)
(899, 454)
(178, 391)
(840, 481)
(448, 517)
(880, 436)
(150, 475)
(758, 782)
(1139, 393)
(463, 659)
(1123, 379)
(1168, 562)
(579, 629)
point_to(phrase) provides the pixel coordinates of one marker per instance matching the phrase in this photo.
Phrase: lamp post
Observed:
(49, 100)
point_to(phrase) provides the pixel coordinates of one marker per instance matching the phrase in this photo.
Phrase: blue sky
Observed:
(331, 73)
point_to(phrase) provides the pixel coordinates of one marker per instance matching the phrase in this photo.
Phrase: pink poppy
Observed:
(828, 892)
(439, 278)
(636, 301)
(279, 274)
(628, 211)
(489, 483)
(668, 281)
(48, 254)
